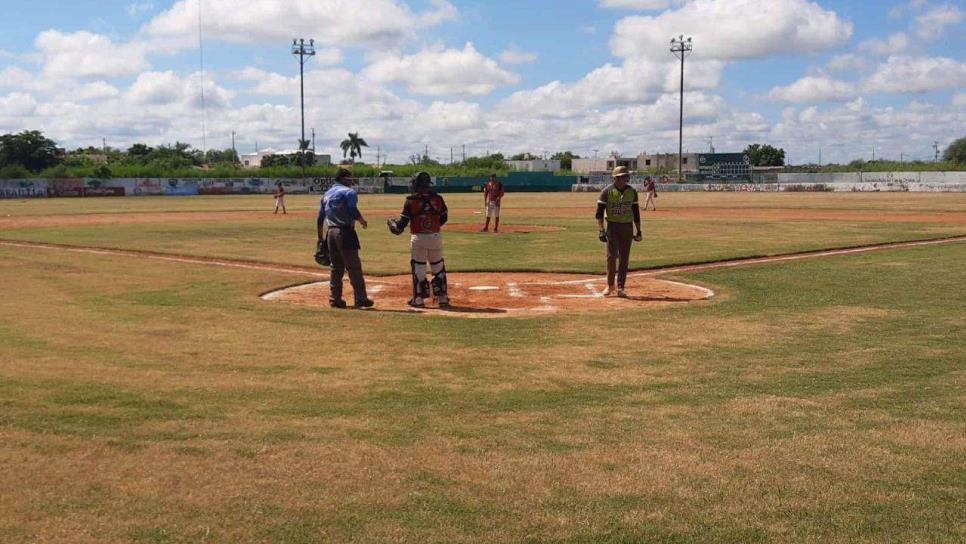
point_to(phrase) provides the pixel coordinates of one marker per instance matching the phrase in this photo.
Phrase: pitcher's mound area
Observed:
(494, 294)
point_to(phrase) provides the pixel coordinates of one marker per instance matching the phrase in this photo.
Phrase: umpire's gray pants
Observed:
(344, 252)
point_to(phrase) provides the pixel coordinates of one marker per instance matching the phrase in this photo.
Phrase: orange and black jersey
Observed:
(425, 213)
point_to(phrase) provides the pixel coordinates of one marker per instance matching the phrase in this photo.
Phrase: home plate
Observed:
(502, 294)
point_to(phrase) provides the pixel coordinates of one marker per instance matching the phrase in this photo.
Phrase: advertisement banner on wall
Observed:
(180, 187)
(148, 187)
(65, 187)
(23, 188)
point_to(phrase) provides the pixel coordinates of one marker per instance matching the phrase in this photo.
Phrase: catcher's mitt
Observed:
(394, 226)
(322, 254)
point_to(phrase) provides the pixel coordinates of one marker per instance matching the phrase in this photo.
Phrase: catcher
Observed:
(425, 213)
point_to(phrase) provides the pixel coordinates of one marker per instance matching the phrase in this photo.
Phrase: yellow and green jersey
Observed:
(618, 204)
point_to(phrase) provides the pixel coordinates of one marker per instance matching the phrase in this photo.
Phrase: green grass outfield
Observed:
(818, 400)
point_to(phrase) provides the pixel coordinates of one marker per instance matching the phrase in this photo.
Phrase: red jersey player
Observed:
(425, 212)
(492, 196)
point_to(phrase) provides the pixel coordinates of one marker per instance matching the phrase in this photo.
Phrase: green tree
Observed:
(494, 162)
(956, 152)
(139, 151)
(765, 155)
(524, 157)
(352, 146)
(30, 149)
(566, 159)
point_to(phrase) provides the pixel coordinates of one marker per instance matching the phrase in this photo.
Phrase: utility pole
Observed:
(451, 154)
(681, 48)
(464, 153)
(426, 152)
(711, 144)
(935, 146)
(303, 50)
(819, 157)
(378, 155)
(234, 154)
(313, 140)
(104, 145)
(873, 153)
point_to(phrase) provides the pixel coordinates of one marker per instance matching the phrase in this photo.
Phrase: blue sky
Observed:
(846, 76)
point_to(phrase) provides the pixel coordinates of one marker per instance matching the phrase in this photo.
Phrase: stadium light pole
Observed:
(681, 48)
(302, 50)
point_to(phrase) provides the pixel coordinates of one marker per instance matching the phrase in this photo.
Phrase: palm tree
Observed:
(352, 146)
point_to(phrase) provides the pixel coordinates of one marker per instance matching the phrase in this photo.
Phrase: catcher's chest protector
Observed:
(425, 212)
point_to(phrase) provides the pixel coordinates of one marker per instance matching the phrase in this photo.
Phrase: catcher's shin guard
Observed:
(439, 282)
(420, 285)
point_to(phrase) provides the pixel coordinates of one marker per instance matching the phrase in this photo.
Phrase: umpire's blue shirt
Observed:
(340, 206)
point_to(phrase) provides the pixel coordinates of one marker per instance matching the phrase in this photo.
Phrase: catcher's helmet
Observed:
(420, 181)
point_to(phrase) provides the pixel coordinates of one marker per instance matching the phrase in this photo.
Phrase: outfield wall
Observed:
(515, 182)
(98, 187)
(926, 182)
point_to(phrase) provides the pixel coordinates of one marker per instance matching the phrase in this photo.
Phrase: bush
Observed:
(14, 171)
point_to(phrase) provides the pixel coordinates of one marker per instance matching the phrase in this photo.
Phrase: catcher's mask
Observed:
(420, 182)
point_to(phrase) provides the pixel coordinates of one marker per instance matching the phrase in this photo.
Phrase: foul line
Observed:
(294, 269)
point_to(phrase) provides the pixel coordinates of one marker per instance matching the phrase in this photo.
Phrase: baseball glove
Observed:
(394, 226)
(602, 235)
(322, 254)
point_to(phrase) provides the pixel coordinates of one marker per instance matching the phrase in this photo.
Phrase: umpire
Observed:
(339, 211)
(619, 202)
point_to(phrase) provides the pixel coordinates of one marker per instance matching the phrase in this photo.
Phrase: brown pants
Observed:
(619, 238)
(344, 252)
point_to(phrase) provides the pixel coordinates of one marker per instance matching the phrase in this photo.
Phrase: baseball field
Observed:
(170, 372)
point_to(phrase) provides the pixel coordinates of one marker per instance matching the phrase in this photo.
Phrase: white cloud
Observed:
(168, 88)
(932, 24)
(636, 81)
(959, 99)
(439, 71)
(515, 55)
(329, 22)
(733, 29)
(94, 91)
(848, 62)
(897, 75)
(84, 54)
(814, 89)
(17, 105)
(448, 116)
(901, 74)
(894, 44)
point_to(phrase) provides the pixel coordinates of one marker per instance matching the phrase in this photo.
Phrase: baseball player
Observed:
(425, 213)
(651, 192)
(492, 196)
(619, 202)
(280, 197)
